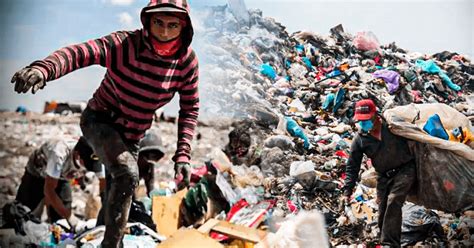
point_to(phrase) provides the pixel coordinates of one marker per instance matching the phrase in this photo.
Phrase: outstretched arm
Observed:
(64, 61)
(73, 57)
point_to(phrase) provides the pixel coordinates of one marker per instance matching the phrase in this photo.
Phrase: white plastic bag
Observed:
(300, 167)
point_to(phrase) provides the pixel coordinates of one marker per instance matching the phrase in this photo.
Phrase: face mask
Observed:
(366, 126)
(166, 49)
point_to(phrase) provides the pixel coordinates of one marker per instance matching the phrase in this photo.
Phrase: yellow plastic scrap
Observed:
(461, 135)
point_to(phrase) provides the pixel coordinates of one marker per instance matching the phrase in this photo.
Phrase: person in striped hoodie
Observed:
(145, 69)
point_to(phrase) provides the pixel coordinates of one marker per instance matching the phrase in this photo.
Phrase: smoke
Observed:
(228, 40)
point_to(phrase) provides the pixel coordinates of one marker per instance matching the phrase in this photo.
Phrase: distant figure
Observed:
(150, 153)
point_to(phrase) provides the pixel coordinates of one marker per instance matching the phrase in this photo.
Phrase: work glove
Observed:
(182, 174)
(27, 78)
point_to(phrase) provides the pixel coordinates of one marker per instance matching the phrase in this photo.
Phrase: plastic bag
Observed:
(297, 105)
(281, 141)
(243, 176)
(408, 121)
(307, 229)
(267, 70)
(418, 224)
(138, 213)
(37, 233)
(294, 129)
(15, 215)
(444, 179)
(444, 169)
(226, 189)
(300, 167)
(391, 78)
(366, 41)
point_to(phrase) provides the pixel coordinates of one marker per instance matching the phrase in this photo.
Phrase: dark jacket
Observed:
(389, 153)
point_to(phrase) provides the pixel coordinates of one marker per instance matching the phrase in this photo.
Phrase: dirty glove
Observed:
(27, 78)
(182, 174)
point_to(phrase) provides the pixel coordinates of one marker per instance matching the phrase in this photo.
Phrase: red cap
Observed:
(364, 110)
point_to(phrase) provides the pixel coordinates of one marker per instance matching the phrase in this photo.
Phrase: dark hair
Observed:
(87, 154)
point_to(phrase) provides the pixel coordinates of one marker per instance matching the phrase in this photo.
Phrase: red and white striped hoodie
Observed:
(138, 81)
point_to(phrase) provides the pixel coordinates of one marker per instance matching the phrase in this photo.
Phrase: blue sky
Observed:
(31, 29)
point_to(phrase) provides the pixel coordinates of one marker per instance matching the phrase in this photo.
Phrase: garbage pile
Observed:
(298, 91)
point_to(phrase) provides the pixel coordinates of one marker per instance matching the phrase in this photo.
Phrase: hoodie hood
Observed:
(167, 5)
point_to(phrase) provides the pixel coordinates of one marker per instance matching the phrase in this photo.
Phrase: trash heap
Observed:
(298, 92)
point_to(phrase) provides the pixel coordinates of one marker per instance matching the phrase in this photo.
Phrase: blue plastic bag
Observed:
(435, 128)
(339, 100)
(299, 48)
(267, 70)
(431, 67)
(334, 73)
(308, 64)
(329, 102)
(295, 130)
(287, 63)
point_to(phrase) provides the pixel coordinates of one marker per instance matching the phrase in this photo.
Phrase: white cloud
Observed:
(125, 19)
(122, 2)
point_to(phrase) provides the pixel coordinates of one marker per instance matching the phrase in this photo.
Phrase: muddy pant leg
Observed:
(120, 161)
(392, 223)
(383, 184)
(103, 199)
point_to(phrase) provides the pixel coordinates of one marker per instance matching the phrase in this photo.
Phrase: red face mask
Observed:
(167, 48)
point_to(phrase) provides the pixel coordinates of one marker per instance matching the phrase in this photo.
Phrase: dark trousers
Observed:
(392, 192)
(120, 159)
(31, 192)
